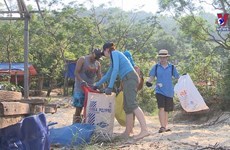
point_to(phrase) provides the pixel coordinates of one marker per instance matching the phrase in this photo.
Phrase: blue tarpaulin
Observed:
(73, 135)
(16, 71)
(70, 70)
(32, 133)
(29, 134)
(14, 66)
(17, 67)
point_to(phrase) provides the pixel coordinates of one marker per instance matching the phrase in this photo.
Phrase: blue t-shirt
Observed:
(164, 84)
(120, 65)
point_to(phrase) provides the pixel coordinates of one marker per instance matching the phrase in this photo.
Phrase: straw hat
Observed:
(163, 53)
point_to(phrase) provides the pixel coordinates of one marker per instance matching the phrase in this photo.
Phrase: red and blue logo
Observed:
(222, 19)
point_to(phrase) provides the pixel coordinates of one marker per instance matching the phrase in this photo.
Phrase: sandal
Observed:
(168, 130)
(162, 129)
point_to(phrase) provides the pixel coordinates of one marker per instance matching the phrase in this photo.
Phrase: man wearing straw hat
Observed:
(164, 88)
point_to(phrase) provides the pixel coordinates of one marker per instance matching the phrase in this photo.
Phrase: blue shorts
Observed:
(78, 99)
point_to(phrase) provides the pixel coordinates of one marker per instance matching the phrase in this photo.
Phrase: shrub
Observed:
(10, 87)
(226, 91)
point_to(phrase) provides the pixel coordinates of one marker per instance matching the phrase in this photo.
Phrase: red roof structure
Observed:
(17, 70)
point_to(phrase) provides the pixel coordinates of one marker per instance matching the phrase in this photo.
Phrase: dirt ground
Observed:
(210, 131)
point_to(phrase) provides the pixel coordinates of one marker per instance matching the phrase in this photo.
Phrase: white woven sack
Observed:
(189, 96)
(100, 111)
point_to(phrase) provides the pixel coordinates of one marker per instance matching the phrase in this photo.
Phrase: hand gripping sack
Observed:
(100, 112)
(189, 96)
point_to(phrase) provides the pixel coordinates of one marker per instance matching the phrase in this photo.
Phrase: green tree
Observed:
(209, 46)
(193, 25)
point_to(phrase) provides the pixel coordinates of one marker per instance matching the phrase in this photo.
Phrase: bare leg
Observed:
(162, 115)
(141, 118)
(77, 116)
(131, 132)
(166, 119)
(128, 125)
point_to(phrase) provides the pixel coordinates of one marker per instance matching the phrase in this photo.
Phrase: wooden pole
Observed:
(26, 52)
(24, 15)
(66, 79)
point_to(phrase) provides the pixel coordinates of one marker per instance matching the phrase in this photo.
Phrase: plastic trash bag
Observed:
(119, 110)
(29, 134)
(73, 135)
(189, 96)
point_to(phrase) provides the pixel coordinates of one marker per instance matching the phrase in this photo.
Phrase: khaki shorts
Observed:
(130, 82)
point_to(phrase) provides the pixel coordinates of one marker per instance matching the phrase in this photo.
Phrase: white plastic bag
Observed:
(100, 111)
(189, 96)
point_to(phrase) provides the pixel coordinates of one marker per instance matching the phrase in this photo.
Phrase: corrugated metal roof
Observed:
(16, 68)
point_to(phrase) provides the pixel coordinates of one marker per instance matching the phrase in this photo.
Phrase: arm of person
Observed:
(150, 79)
(99, 74)
(78, 67)
(151, 76)
(104, 78)
(148, 82)
(115, 69)
(176, 75)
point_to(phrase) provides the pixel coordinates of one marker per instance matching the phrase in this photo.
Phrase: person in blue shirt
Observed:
(137, 69)
(120, 65)
(164, 89)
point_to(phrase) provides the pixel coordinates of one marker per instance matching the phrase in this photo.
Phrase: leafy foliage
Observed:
(147, 96)
(226, 93)
(10, 87)
(190, 25)
(57, 36)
